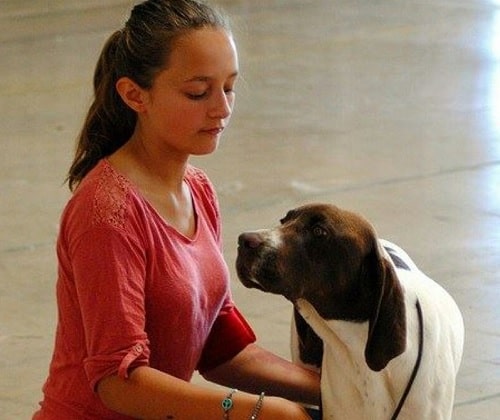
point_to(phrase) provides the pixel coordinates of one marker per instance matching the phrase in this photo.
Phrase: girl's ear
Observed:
(131, 93)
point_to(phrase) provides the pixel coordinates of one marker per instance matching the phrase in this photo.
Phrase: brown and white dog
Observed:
(390, 338)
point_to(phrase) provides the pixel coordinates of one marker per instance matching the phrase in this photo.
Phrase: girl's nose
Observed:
(222, 105)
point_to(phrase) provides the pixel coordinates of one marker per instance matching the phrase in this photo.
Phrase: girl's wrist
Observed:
(227, 405)
(258, 407)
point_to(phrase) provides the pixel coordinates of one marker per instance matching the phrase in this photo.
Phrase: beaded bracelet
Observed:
(258, 407)
(227, 404)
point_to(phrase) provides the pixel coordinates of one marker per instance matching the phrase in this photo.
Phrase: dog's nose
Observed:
(250, 240)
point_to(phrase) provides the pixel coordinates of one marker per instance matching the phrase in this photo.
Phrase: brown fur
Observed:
(331, 258)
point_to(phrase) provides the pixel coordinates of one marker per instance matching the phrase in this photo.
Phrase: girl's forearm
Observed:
(151, 394)
(256, 369)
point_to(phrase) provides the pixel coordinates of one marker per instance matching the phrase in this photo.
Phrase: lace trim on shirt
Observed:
(110, 198)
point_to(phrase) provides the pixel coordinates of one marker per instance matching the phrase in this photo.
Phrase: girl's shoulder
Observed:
(102, 197)
(199, 182)
(197, 175)
(205, 195)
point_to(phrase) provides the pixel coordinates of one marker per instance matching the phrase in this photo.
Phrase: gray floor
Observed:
(389, 108)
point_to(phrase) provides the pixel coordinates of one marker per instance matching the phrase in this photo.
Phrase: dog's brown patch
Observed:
(331, 258)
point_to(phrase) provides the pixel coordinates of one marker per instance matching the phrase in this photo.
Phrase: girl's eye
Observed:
(196, 96)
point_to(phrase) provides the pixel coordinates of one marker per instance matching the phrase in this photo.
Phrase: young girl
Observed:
(143, 291)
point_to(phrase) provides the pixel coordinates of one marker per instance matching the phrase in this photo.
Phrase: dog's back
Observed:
(443, 335)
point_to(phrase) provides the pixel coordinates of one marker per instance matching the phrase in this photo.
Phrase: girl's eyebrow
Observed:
(207, 78)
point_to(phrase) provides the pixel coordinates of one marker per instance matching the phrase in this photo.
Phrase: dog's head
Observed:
(331, 258)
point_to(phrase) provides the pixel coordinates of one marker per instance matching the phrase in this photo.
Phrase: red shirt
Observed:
(134, 291)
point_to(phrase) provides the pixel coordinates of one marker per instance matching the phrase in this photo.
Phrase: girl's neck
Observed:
(149, 167)
(160, 180)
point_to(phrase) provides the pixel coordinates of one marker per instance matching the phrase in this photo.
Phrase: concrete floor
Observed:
(388, 108)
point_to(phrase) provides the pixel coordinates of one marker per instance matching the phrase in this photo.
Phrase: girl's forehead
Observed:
(206, 52)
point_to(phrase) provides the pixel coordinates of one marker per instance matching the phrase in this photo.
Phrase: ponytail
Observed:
(109, 122)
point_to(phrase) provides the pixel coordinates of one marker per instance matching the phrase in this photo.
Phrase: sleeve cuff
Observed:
(120, 362)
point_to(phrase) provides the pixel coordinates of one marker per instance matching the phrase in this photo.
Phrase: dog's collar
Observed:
(417, 363)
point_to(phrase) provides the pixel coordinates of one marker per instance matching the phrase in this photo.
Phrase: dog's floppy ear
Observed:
(387, 324)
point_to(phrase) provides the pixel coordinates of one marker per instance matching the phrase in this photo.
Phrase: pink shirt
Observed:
(133, 291)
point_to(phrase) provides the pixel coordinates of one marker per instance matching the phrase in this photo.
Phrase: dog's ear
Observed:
(387, 324)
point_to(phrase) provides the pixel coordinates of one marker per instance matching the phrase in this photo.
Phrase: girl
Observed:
(143, 291)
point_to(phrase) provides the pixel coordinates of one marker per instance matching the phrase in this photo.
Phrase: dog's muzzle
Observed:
(249, 259)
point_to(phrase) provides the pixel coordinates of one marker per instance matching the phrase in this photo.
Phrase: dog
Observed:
(387, 339)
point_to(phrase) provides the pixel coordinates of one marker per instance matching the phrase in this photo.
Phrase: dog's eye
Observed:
(319, 231)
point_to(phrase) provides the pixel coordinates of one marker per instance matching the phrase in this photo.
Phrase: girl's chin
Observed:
(206, 150)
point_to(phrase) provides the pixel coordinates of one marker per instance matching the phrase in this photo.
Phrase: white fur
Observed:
(351, 391)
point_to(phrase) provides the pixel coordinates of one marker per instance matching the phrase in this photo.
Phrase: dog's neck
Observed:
(348, 334)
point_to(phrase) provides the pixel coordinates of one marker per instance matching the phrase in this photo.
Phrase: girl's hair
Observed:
(139, 51)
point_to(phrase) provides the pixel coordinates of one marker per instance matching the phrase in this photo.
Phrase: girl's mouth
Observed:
(213, 131)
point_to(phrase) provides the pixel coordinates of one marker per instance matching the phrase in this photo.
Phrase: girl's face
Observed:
(191, 101)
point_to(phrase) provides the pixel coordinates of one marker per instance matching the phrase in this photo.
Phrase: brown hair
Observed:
(139, 51)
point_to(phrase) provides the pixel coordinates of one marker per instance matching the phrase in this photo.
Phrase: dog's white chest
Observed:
(350, 390)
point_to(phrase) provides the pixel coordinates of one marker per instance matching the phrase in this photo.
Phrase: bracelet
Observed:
(227, 404)
(258, 407)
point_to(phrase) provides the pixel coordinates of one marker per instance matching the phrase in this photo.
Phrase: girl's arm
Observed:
(255, 369)
(150, 394)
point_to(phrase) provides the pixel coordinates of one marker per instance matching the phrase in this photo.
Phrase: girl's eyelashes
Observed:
(202, 95)
(196, 96)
